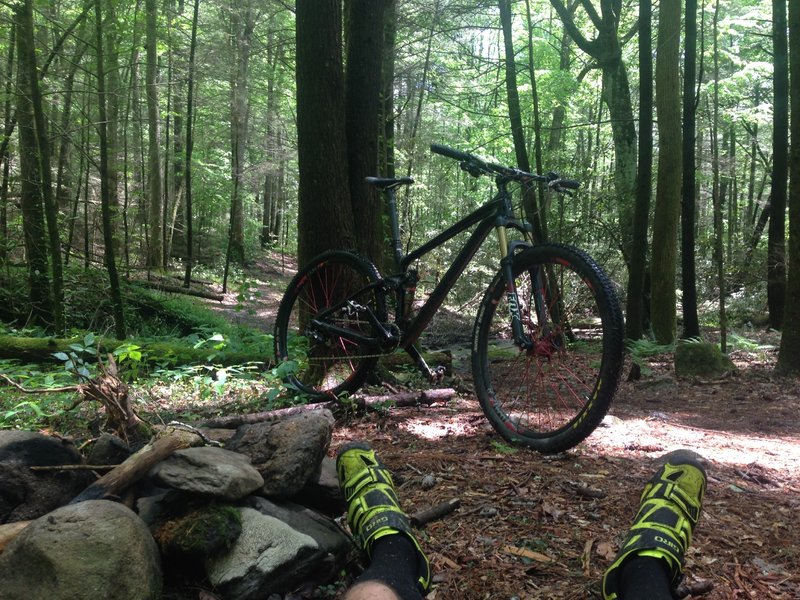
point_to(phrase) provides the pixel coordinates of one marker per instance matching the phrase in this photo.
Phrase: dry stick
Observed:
(68, 388)
(137, 465)
(437, 512)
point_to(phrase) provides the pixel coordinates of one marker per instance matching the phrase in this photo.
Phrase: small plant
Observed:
(503, 448)
(75, 361)
(641, 349)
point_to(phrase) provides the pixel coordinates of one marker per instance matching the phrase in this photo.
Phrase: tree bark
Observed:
(776, 252)
(31, 202)
(4, 156)
(362, 109)
(636, 304)
(789, 353)
(190, 147)
(718, 224)
(105, 186)
(691, 324)
(155, 246)
(663, 299)
(325, 216)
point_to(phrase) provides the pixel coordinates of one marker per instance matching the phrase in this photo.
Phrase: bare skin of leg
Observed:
(371, 590)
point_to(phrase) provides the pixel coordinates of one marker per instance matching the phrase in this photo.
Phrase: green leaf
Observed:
(61, 356)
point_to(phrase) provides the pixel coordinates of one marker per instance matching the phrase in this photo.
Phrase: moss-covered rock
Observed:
(701, 359)
(204, 532)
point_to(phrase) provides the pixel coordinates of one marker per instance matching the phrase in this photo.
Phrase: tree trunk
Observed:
(636, 305)
(776, 253)
(105, 184)
(691, 324)
(789, 354)
(718, 225)
(4, 157)
(325, 217)
(386, 145)
(155, 246)
(606, 49)
(30, 171)
(663, 299)
(190, 146)
(362, 109)
(532, 209)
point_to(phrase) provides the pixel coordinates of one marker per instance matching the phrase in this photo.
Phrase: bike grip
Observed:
(569, 184)
(450, 152)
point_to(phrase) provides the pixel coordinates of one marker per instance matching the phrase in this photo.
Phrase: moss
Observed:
(701, 359)
(203, 532)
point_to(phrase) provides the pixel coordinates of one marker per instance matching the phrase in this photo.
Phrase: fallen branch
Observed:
(66, 388)
(362, 402)
(136, 466)
(174, 289)
(72, 467)
(437, 512)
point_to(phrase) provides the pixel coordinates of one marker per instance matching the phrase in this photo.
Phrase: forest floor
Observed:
(526, 528)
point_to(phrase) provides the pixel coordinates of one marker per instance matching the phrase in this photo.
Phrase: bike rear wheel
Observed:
(335, 289)
(551, 392)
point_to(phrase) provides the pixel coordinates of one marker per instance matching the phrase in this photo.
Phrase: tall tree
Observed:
(532, 208)
(636, 304)
(719, 258)
(668, 190)
(606, 50)
(155, 242)
(362, 108)
(105, 182)
(691, 325)
(190, 146)
(325, 216)
(789, 354)
(4, 153)
(776, 255)
(31, 202)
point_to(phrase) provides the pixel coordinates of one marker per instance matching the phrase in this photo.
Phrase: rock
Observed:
(286, 452)
(26, 494)
(90, 550)
(108, 450)
(701, 359)
(281, 546)
(208, 471)
(322, 491)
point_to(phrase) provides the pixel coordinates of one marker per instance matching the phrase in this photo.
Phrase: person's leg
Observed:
(650, 563)
(380, 528)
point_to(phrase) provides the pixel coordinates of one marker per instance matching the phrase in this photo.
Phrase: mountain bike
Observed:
(547, 342)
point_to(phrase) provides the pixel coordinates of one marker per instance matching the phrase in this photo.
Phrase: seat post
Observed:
(395, 225)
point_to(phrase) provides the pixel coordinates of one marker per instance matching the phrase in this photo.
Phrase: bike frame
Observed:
(496, 214)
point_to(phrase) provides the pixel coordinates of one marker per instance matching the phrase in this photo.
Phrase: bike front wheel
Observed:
(326, 309)
(550, 389)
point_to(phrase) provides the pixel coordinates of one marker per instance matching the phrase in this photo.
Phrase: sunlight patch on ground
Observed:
(433, 430)
(656, 437)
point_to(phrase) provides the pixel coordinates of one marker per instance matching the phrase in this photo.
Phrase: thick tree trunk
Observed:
(325, 215)
(362, 109)
(4, 155)
(668, 193)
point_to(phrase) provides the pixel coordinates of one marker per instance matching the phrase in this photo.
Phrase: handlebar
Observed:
(476, 167)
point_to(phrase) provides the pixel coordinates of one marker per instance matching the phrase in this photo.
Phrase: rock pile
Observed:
(252, 520)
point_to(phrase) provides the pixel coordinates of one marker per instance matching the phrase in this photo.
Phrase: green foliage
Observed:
(639, 350)
(76, 361)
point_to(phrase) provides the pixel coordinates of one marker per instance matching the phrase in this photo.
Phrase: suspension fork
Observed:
(506, 266)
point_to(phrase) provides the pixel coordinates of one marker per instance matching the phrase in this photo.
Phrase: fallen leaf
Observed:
(605, 550)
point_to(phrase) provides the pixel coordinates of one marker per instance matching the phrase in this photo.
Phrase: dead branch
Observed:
(437, 512)
(136, 466)
(66, 388)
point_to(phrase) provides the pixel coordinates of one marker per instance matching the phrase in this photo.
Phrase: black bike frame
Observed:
(495, 214)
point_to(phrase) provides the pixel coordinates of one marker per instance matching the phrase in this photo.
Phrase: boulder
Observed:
(281, 547)
(208, 471)
(287, 452)
(26, 494)
(90, 550)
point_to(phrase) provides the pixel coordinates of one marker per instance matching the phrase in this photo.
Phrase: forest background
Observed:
(150, 140)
